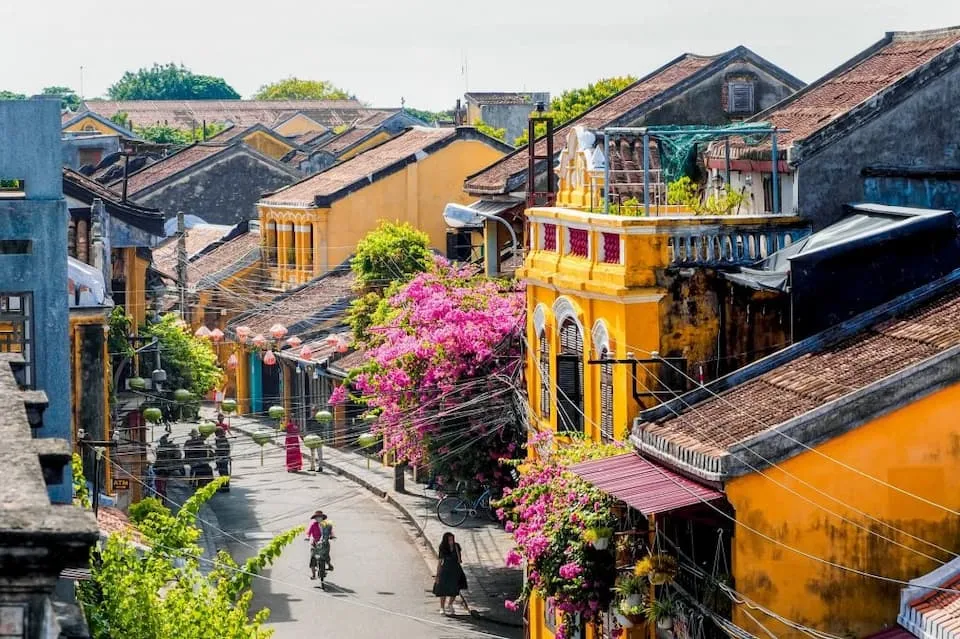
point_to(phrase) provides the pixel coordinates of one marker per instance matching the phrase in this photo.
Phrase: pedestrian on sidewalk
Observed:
(450, 579)
(292, 442)
(222, 423)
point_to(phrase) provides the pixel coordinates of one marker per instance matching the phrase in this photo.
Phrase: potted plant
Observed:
(629, 616)
(663, 569)
(661, 612)
(624, 548)
(598, 536)
(631, 589)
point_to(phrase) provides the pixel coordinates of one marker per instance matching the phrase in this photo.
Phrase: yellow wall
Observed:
(267, 145)
(915, 448)
(298, 125)
(416, 194)
(473, 113)
(76, 322)
(374, 140)
(85, 124)
(136, 293)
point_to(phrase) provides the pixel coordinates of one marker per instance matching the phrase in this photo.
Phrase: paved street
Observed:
(382, 578)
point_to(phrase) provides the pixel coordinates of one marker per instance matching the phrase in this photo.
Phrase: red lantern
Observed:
(202, 332)
(294, 342)
(216, 335)
(243, 332)
(277, 331)
(233, 361)
(306, 352)
(269, 358)
(259, 340)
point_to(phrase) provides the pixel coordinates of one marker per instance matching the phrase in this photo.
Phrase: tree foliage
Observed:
(10, 95)
(430, 117)
(493, 132)
(170, 82)
(163, 134)
(575, 102)
(189, 361)
(159, 591)
(297, 89)
(68, 97)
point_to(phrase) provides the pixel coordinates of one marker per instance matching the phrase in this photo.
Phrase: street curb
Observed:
(385, 495)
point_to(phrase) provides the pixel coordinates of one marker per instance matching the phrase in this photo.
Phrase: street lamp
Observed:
(458, 216)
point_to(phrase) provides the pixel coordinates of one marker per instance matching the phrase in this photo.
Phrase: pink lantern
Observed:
(306, 352)
(294, 341)
(203, 332)
(259, 340)
(277, 331)
(333, 340)
(342, 347)
(233, 361)
(243, 332)
(269, 358)
(216, 335)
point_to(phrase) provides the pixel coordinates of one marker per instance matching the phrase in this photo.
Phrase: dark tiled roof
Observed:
(500, 98)
(192, 113)
(319, 303)
(346, 140)
(308, 138)
(229, 133)
(224, 260)
(83, 188)
(834, 95)
(359, 167)
(197, 238)
(171, 165)
(493, 179)
(295, 158)
(353, 359)
(715, 425)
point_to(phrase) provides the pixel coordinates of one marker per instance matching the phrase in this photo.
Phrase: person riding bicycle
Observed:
(320, 533)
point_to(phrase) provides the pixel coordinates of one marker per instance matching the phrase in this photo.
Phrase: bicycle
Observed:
(453, 510)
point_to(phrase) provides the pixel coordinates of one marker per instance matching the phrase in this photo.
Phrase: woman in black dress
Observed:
(450, 579)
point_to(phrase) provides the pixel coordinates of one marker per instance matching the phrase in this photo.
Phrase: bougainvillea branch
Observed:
(442, 372)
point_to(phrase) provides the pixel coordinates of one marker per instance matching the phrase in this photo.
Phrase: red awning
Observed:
(644, 485)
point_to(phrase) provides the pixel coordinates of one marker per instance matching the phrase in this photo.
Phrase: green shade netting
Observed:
(678, 150)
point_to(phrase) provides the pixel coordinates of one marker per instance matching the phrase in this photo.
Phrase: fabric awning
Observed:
(642, 484)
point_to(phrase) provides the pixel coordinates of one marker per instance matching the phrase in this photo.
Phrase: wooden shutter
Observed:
(606, 401)
(544, 376)
(570, 379)
(740, 97)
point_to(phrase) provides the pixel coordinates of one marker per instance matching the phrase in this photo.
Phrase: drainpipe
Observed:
(776, 171)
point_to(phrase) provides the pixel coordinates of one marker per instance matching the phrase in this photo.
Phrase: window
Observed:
(606, 399)
(767, 183)
(740, 97)
(570, 379)
(16, 330)
(544, 375)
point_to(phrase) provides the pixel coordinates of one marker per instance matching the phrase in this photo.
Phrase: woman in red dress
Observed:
(292, 442)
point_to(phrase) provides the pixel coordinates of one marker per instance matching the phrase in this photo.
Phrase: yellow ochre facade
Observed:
(267, 144)
(302, 243)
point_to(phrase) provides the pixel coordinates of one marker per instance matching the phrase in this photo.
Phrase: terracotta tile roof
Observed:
(348, 139)
(360, 167)
(322, 302)
(353, 359)
(112, 520)
(192, 113)
(321, 349)
(170, 165)
(500, 98)
(197, 238)
(834, 95)
(494, 178)
(713, 426)
(224, 260)
(308, 138)
(230, 133)
(939, 610)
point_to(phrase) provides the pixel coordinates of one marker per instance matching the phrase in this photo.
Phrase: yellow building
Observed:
(313, 225)
(258, 136)
(94, 123)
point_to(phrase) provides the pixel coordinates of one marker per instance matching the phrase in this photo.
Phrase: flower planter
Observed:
(661, 578)
(623, 620)
(665, 624)
(601, 543)
(632, 600)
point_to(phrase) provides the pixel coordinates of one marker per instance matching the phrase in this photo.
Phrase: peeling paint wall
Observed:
(916, 449)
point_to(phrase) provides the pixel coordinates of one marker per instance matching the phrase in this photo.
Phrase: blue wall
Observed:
(924, 193)
(30, 149)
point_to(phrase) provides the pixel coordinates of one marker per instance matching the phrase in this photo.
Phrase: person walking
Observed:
(292, 443)
(450, 579)
(222, 423)
(222, 452)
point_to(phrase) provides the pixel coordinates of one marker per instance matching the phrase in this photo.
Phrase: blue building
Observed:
(33, 261)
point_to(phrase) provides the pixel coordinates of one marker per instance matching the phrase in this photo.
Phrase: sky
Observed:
(428, 52)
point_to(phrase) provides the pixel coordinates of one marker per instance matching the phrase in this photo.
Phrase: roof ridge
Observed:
(924, 34)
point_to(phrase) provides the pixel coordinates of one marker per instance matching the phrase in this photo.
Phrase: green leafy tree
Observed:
(493, 132)
(10, 95)
(430, 117)
(68, 97)
(387, 257)
(158, 591)
(297, 89)
(170, 82)
(163, 134)
(575, 102)
(121, 118)
(189, 361)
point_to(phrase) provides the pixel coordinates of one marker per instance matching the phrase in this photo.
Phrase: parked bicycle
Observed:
(453, 510)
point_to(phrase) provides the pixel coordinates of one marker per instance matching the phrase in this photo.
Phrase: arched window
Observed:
(606, 398)
(544, 347)
(570, 378)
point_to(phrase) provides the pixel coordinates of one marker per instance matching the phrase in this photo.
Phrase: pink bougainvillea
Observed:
(444, 371)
